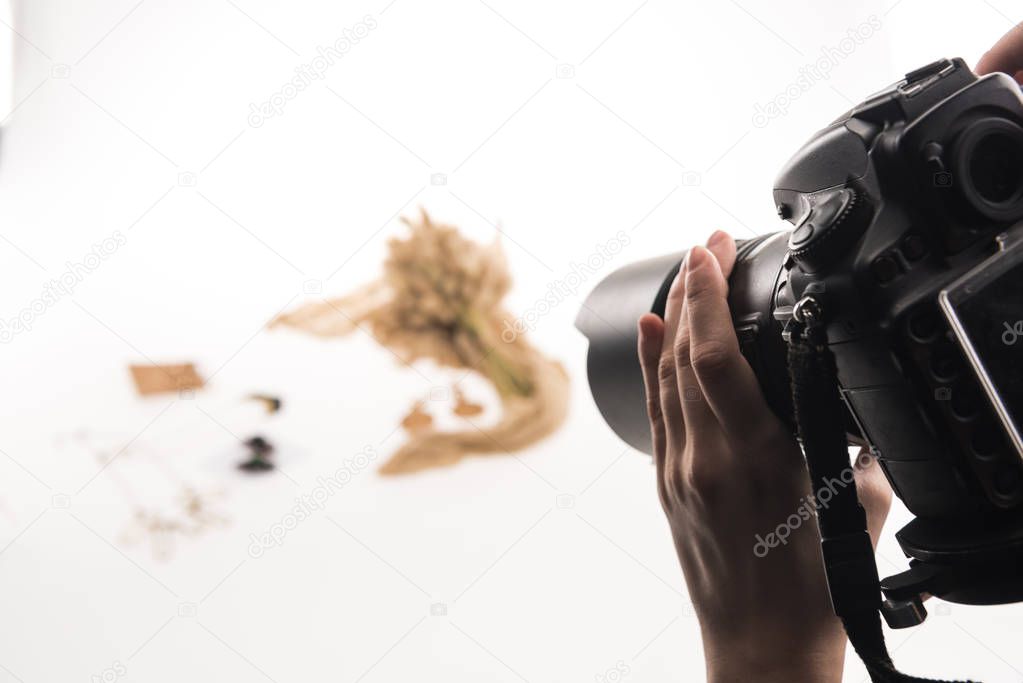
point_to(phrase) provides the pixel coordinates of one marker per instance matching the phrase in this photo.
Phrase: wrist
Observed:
(788, 665)
(805, 671)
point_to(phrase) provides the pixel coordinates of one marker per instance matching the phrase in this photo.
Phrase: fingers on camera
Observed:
(674, 394)
(651, 336)
(725, 377)
(722, 246)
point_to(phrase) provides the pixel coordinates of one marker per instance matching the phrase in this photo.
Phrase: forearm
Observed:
(801, 669)
(777, 667)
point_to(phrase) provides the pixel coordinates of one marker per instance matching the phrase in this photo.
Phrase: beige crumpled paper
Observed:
(440, 298)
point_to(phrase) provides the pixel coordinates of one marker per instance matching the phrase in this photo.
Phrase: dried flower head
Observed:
(440, 298)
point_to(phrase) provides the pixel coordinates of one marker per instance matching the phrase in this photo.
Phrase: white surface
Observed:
(7, 48)
(116, 102)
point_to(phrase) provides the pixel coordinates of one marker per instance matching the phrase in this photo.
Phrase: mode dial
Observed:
(833, 224)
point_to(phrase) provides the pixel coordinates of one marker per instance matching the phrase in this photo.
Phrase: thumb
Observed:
(874, 492)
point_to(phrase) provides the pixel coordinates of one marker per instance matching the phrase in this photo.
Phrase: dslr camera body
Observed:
(907, 241)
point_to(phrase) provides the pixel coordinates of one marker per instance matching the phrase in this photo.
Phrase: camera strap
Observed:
(848, 555)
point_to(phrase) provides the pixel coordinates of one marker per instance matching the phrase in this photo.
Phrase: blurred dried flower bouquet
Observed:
(440, 298)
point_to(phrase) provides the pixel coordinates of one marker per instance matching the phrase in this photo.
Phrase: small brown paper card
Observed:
(158, 379)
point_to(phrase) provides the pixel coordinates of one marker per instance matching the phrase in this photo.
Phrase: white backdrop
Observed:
(563, 123)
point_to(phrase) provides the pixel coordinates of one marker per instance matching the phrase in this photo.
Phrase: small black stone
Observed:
(260, 451)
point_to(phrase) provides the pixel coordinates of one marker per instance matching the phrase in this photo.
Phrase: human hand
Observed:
(728, 471)
(1006, 55)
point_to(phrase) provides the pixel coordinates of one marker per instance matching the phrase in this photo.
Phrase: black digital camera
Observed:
(908, 232)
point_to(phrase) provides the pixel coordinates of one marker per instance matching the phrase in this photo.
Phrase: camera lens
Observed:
(989, 163)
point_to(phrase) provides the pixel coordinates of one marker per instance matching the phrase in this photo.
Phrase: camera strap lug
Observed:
(904, 613)
(904, 606)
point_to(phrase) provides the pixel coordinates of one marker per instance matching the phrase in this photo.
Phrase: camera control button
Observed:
(929, 71)
(827, 230)
(821, 218)
(802, 234)
(825, 213)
